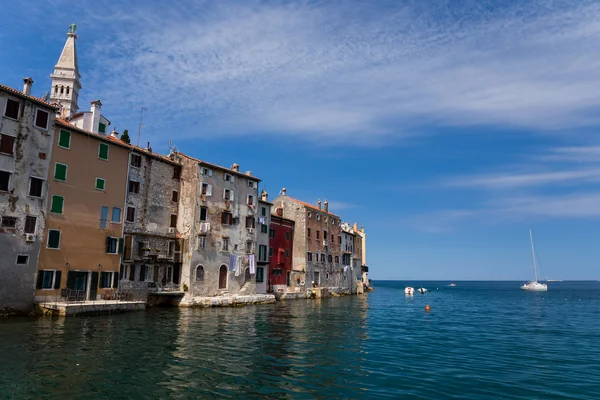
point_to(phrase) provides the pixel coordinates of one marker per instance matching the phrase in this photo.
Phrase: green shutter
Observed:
(71, 280)
(108, 244)
(64, 139)
(94, 285)
(99, 183)
(40, 279)
(121, 245)
(116, 280)
(101, 128)
(60, 172)
(103, 151)
(57, 204)
(57, 280)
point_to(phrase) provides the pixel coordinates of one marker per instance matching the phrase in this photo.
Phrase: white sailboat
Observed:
(534, 285)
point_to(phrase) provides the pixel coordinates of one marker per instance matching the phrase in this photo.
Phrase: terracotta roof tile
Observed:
(26, 96)
(229, 170)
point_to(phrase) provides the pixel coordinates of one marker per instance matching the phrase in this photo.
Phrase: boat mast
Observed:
(533, 255)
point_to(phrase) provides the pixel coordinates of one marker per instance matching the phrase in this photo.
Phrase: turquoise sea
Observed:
(481, 340)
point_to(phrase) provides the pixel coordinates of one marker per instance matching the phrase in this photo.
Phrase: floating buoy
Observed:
(427, 308)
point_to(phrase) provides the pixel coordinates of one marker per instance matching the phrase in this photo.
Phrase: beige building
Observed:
(84, 227)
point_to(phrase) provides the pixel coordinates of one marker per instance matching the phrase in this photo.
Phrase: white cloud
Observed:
(345, 72)
(506, 181)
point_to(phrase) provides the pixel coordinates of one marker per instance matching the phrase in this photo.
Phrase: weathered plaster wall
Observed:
(31, 157)
(262, 238)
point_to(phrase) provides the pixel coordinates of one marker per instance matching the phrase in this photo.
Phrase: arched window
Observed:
(62, 89)
(223, 277)
(67, 90)
(56, 89)
(247, 275)
(200, 273)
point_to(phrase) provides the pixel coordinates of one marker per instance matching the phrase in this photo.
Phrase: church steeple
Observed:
(65, 79)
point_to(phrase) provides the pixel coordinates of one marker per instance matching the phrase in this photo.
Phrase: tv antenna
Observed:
(140, 126)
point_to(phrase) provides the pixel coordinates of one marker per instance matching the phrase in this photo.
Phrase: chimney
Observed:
(326, 206)
(249, 173)
(149, 148)
(355, 227)
(235, 167)
(319, 204)
(27, 82)
(264, 196)
(95, 109)
(283, 192)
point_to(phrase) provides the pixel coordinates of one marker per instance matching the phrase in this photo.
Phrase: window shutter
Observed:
(232, 179)
(121, 244)
(115, 279)
(224, 191)
(232, 198)
(57, 279)
(209, 190)
(71, 280)
(176, 269)
(108, 244)
(210, 172)
(94, 283)
(132, 272)
(247, 199)
(40, 279)
(255, 185)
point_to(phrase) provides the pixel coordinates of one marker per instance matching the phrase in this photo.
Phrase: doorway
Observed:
(223, 277)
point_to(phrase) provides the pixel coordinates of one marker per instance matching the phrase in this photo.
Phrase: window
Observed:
(264, 229)
(136, 161)
(60, 172)
(250, 184)
(201, 242)
(226, 218)
(101, 126)
(64, 139)
(177, 172)
(9, 222)
(173, 221)
(130, 214)
(270, 252)
(260, 274)
(228, 178)
(105, 280)
(322, 257)
(262, 252)
(250, 200)
(112, 245)
(287, 253)
(7, 144)
(199, 273)
(57, 204)
(103, 217)
(12, 109)
(307, 232)
(309, 215)
(30, 223)
(309, 256)
(134, 187)
(41, 119)
(100, 184)
(53, 239)
(203, 214)
(325, 236)
(263, 211)
(206, 172)
(337, 259)
(249, 247)
(250, 222)
(4, 181)
(271, 233)
(247, 275)
(339, 240)
(116, 215)
(171, 249)
(207, 189)
(48, 279)
(318, 234)
(228, 194)
(287, 236)
(330, 258)
(318, 217)
(225, 244)
(22, 259)
(175, 196)
(103, 151)
(325, 219)
(316, 257)
(36, 187)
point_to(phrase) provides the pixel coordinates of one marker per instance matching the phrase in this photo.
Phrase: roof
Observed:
(310, 206)
(106, 138)
(28, 97)
(150, 153)
(215, 166)
(265, 202)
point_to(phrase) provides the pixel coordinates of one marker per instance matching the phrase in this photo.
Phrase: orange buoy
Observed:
(427, 308)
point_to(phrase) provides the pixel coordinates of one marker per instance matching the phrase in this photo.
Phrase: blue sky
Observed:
(448, 130)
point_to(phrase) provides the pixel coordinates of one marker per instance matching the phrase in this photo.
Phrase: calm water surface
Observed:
(481, 340)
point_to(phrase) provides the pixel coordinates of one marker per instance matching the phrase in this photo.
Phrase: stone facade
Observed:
(152, 251)
(218, 219)
(317, 244)
(27, 130)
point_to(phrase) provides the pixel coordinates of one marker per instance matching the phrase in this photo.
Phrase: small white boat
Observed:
(422, 290)
(452, 284)
(534, 285)
(409, 291)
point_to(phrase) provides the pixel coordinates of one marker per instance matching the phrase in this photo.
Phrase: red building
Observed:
(281, 239)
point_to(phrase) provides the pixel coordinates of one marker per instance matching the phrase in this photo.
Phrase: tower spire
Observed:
(65, 79)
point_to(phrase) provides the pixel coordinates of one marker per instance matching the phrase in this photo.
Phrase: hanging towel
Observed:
(252, 265)
(238, 265)
(232, 262)
(204, 227)
(261, 220)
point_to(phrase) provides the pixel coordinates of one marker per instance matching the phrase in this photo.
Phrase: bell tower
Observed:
(65, 79)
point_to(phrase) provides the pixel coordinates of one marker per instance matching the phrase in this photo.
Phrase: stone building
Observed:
(262, 242)
(361, 252)
(26, 133)
(152, 251)
(281, 254)
(218, 214)
(317, 244)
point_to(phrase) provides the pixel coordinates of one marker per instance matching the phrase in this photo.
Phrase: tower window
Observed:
(67, 90)
(56, 89)
(62, 89)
